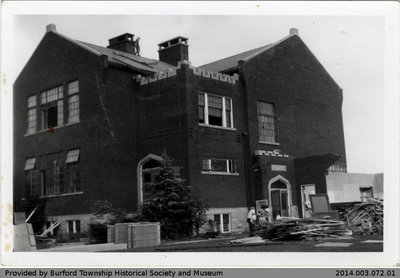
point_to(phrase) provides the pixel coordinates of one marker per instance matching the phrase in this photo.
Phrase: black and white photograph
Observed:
(237, 131)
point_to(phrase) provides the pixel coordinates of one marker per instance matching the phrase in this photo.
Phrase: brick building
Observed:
(91, 122)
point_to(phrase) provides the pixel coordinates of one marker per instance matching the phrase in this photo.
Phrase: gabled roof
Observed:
(232, 62)
(134, 62)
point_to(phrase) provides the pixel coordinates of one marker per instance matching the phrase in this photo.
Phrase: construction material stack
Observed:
(299, 229)
(365, 217)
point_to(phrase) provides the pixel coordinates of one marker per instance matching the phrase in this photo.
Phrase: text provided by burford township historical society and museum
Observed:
(44, 273)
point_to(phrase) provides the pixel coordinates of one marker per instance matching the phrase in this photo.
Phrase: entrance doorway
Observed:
(147, 170)
(279, 196)
(279, 199)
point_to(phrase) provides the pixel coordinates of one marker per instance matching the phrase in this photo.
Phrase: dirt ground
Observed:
(345, 244)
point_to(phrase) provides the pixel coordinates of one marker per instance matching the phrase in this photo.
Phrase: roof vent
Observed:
(51, 28)
(125, 43)
(174, 50)
(294, 31)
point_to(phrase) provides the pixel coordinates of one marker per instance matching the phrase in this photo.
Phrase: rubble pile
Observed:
(369, 213)
(299, 229)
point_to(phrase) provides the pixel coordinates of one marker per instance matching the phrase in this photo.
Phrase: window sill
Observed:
(47, 129)
(218, 127)
(219, 173)
(62, 195)
(269, 143)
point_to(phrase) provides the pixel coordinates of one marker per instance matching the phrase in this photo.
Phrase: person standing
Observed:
(251, 219)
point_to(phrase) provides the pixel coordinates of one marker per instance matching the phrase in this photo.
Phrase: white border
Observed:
(390, 256)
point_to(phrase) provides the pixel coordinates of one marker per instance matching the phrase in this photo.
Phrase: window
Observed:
(32, 177)
(30, 163)
(266, 122)
(215, 110)
(52, 114)
(226, 166)
(73, 102)
(222, 222)
(48, 224)
(32, 117)
(52, 176)
(73, 176)
(73, 156)
(74, 227)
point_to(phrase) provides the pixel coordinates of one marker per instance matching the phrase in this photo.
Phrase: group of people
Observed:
(261, 218)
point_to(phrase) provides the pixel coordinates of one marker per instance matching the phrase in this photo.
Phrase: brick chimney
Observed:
(174, 50)
(123, 43)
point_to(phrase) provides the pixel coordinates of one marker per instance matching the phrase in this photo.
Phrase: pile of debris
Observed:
(299, 229)
(365, 217)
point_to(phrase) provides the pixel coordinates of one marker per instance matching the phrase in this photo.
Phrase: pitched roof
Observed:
(131, 60)
(232, 62)
(139, 63)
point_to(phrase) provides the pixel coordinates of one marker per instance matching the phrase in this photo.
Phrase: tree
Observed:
(172, 205)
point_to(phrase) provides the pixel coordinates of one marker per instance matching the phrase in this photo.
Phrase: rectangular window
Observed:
(219, 166)
(266, 122)
(73, 226)
(73, 176)
(52, 174)
(228, 112)
(73, 102)
(201, 108)
(30, 163)
(52, 108)
(73, 156)
(32, 116)
(222, 222)
(215, 110)
(48, 224)
(32, 178)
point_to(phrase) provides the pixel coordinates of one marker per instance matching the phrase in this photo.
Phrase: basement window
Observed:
(74, 227)
(222, 222)
(219, 166)
(215, 110)
(52, 108)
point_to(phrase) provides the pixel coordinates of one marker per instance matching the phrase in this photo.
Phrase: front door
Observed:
(279, 202)
(276, 202)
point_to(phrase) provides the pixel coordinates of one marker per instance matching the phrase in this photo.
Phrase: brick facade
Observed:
(127, 113)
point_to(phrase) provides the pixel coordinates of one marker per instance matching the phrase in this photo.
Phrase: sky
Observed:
(351, 48)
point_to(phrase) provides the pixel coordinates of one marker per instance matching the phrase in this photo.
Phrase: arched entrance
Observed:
(279, 196)
(147, 169)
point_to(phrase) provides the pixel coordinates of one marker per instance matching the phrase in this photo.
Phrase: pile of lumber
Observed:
(299, 229)
(371, 211)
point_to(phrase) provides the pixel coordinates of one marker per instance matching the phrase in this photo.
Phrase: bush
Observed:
(104, 209)
(98, 232)
(179, 215)
(107, 215)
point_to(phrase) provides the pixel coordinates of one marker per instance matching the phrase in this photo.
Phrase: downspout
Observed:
(246, 166)
(245, 134)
